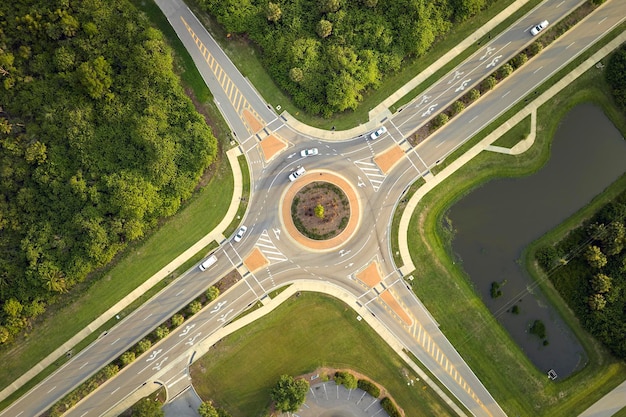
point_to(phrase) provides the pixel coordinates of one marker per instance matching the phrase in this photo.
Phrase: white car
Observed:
(297, 174)
(379, 132)
(541, 26)
(309, 152)
(242, 231)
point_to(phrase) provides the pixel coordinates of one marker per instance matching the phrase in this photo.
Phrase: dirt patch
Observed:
(370, 275)
(389, 158)
(391, 301)
(272, 146)
(228, 281)
(254, 125)
(320, 210)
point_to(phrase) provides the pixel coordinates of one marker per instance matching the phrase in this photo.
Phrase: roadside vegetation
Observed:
(238, 374)
(506, 372)
(198, 215)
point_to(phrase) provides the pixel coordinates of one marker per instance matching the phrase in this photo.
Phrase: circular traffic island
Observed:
(320, 210)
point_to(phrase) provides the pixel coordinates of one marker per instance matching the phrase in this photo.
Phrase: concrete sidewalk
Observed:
(381, 112)
(485, 144)
(215, 234)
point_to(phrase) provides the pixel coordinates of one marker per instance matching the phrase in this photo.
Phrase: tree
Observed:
(440, 120)
(601, 283)
(457, 107)
(95, 76)
(346, 379)
(324, 28)
(12, 307)
(504, 71)
(519, 60)
(488, 83)
(146, 407)
(161, 332)
(273, 12)
(296, 74)
(177, 320)
(194, 307)
(330, 6)
(596, 302)
(143, 345)
(616, 76)
(206, 409)
(4, 335)
(289, 394)
(473, 94)
(127, 358)
(319, 211)
(595, 257)
(212, 293)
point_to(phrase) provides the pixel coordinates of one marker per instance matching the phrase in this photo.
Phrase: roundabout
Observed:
(322, 229)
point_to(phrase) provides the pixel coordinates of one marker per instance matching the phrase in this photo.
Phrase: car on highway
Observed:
(309, 152)
(242, 231)
(206, 264)
(378, 133)
(297, 174)
(541, 26)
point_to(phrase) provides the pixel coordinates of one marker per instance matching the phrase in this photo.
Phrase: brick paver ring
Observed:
(320, 245)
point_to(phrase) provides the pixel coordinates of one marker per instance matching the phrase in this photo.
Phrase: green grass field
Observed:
(506, 372)
(298, 337)
(139, 262)
(515, 135)
(247, 60)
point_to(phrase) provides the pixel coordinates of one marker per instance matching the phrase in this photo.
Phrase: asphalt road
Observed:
(378, 195)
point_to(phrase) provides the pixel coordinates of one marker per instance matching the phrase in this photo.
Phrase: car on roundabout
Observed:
(309, 152)
(242, 231)
(297, 174)
(378, 133)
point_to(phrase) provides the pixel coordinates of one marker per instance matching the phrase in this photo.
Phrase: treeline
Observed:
(326, 53)
(97, 142)
(588, 268)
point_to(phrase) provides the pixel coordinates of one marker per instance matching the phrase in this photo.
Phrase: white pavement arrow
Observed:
(218, 306)
(187, 329)
(463, 85)
(494, 61)
(430, 110)
(192, 339)
(276, 233)
(488, 52)
(153, 355)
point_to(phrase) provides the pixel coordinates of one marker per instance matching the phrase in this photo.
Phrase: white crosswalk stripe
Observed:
(269, 250)
(371, 171)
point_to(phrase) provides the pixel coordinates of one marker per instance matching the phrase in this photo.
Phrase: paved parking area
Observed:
(328, 399)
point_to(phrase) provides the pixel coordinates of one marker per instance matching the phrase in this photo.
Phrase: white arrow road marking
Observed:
(157, 367)
(350, 264)
(463, 85)
(343, 253)
(430, 110)
(187, 329)
(488, 52)
(153, 355)
(424, 100)
(457, 74)
(223, 316)
(276, 233)
(494, 61)
(218, 306)
(292, 155)
(192, 339)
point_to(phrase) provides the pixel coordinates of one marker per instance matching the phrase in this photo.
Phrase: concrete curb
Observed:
(215, 234)
(403, 228)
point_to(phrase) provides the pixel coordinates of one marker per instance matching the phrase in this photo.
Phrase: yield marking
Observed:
(463, 85)
(494, 61)
(187, 329)
(371, 171)
(488, 52)
(153, 355)
(430, 110)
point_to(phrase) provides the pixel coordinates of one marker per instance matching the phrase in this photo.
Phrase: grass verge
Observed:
(241, 369)
(141, 259)
(245, 195)
(395, 222)
(516, 134)
(504, 369)
(248, 60)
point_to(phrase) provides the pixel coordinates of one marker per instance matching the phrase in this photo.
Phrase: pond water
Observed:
(496, 222)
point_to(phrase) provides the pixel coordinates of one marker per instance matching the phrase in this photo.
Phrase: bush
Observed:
(457, 107)
(519, 60)
(127, 358)
(390, 407)
(489, 83)
(504, 71)
(177, 320)
(369, 387)
(194, 307)
(346, 379)
(440, 120)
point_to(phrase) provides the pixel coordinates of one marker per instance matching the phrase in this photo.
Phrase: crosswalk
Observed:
(269, 250)
(371, 171)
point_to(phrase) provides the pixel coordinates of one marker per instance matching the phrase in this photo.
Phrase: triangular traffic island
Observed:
(255, 260)
(395, 306)
(272, 146)
(389, 158)
(370, 275)
(254, 125)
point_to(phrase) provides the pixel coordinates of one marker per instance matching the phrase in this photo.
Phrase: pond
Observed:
(495, 222)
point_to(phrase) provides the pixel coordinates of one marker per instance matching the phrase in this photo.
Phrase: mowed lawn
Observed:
(302, 334)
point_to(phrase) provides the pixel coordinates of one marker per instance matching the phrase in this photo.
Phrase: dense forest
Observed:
(326, 53)
(97, 142)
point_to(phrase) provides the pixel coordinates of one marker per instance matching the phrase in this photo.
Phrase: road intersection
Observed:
(362, 264)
